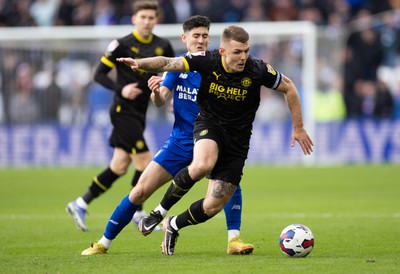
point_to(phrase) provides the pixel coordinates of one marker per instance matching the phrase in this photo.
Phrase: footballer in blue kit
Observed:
(177, 151)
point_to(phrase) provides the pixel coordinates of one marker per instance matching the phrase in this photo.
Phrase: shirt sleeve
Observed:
(169, 80)
(271, 77)
(111, 54)
(197, 61)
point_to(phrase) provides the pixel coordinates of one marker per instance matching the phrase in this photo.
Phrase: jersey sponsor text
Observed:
(186, 93)
(228, 92)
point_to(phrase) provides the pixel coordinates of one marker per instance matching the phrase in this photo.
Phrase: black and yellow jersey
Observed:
(135, 47)
(231, 99)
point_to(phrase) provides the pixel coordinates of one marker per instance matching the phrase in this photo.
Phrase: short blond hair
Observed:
(235, 33)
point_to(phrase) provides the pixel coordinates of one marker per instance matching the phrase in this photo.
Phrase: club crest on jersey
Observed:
(246, 82)
(271, 69)
(158, 51)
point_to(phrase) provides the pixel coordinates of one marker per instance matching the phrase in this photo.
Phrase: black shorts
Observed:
(127, 132)
(233, 150)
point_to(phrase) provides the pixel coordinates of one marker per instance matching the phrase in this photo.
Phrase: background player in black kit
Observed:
(128, 111)
(228, 99)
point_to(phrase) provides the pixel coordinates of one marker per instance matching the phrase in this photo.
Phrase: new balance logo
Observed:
(183, 75)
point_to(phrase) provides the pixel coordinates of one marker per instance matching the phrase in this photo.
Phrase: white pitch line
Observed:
(299, 215)
(338, 215)
(46, 216)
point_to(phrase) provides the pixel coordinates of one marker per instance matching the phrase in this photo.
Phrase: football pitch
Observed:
(353, 211)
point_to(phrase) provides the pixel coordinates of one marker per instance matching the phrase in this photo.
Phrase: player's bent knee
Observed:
(198, 171)
(119, 169)
(137, 195)
(212, 210)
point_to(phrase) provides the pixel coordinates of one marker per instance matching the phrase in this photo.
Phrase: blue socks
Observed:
(124, 212)
(121, 216)
(233, 210)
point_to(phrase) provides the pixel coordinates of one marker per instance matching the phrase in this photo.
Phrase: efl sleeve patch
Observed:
(112, 46)
(271, 69)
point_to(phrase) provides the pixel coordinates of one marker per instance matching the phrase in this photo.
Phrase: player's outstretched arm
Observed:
(155, 64)
(299, 134)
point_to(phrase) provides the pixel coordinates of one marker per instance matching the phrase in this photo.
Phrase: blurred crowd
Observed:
(365, 84)
(112, 12)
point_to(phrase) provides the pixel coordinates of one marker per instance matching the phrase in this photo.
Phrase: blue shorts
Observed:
(172, 157)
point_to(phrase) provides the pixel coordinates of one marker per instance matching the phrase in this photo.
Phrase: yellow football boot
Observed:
(94, 249)
(237, 247)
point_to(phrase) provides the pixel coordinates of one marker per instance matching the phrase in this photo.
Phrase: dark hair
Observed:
(196, 21)
(235, 33)
(139, 5)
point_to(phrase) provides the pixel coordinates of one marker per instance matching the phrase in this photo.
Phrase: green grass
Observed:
(354, 213)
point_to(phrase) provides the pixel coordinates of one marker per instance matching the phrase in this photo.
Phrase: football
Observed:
(296, 240)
